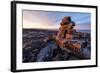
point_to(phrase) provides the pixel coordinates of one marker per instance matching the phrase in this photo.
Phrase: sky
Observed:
(52, 19)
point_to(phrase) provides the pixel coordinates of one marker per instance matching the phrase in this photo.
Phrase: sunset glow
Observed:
(51, 20)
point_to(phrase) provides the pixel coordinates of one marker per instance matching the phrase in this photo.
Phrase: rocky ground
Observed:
(33, 42)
